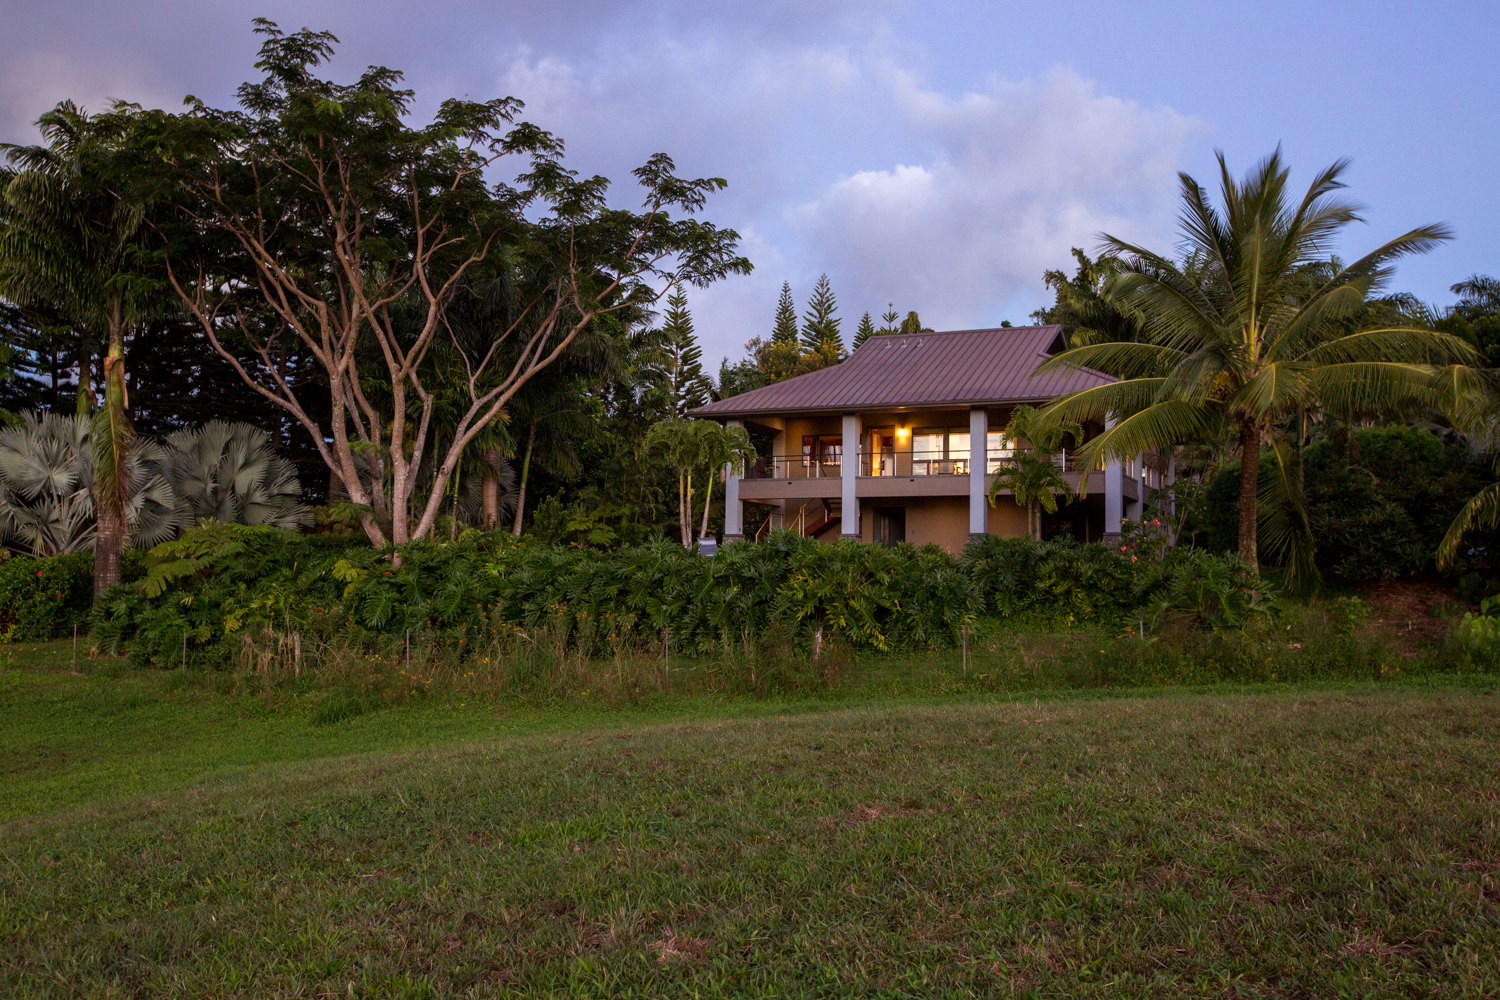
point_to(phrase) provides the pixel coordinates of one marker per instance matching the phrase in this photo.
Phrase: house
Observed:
(901, 441)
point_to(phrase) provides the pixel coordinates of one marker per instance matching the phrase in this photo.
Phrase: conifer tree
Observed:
(864, 331)
(820, 325)
(913, 324)
(677, 361)
(785, 330)
(888, 319)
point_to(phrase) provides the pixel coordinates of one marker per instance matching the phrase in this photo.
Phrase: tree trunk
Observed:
(685, 510)
(112, 436)
(708, 502)
(490, 489)
(515, 527)
(1249, 483)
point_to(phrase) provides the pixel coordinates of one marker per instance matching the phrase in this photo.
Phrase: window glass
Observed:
(998, 450)
(927, 450)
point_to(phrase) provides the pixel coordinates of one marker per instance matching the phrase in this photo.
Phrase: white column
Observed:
(849, 516)
(1136, 509)
(979, 428)
(1114, 494)
(734, 509)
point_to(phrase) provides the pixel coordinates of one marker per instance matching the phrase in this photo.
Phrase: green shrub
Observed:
(271, 599)
(44, 597)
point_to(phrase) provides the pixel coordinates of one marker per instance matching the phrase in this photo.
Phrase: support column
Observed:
(979, 432)
(1168, 481)
(1136, 509)
(849, 513)
(1114, 495)
(734, 508)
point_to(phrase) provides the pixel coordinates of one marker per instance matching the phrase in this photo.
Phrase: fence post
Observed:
(666, 649)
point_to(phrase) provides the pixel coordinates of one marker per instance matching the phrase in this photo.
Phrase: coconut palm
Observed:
(1035, 481)
(1252, 328)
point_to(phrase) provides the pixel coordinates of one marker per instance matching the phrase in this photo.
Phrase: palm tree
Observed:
(228, 472)
(680, 443)
(69, 241)
(1252, 328)
(46, 495)
(1034, 479)
(721, 446)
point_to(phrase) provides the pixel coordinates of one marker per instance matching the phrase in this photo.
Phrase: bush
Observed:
(1378, 502)
(44, 597)
(275, 600)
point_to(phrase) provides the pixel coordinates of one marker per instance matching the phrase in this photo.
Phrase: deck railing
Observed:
(886, 463)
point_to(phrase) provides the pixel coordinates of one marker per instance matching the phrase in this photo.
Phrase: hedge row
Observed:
(219, 583)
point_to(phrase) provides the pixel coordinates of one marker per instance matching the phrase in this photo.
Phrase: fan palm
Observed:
(228, 472)
(46, 497)
(1252, 328)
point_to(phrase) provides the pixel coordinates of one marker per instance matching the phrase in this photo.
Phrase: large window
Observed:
(1000, 451)
(822, 455)
(940, 451)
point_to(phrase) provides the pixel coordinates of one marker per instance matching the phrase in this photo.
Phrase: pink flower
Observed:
(38, 572)
(1155, 523)
(1122, 548)
(1133, 559)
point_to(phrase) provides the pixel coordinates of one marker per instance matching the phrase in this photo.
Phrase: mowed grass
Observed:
(1303, 843)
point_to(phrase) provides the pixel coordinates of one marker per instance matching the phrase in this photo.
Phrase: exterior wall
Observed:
(938, 522)
(1007, 519)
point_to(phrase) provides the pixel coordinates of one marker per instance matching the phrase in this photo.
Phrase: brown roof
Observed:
(959, 367)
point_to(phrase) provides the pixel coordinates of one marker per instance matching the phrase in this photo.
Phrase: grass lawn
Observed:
(157, 839)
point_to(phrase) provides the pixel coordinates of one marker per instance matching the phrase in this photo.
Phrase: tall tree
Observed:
(889, 320)
(345, 233)
(1081, 308)
(1250, 328)
(784, 330)
(864, 331)
(820, 324)
(913, 324)
(673, 366)
(70, 242)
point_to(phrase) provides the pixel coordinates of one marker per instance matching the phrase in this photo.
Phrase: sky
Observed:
(939, 155)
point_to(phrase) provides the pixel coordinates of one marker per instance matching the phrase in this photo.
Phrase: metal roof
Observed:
(957, 368)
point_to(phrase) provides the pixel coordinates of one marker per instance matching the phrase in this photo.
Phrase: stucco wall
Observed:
(1006, 519)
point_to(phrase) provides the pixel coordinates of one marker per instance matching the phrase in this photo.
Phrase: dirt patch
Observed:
(1415, 614)
(672, 948)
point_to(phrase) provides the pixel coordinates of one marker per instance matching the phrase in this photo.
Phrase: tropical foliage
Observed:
(224, 584)
(221, 472)
(1253, 327)
(1032, 476)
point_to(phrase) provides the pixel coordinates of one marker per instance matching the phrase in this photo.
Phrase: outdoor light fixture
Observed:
(902, 431)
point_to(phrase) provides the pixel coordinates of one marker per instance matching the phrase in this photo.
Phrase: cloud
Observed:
(1018, 172)
(36, 81)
